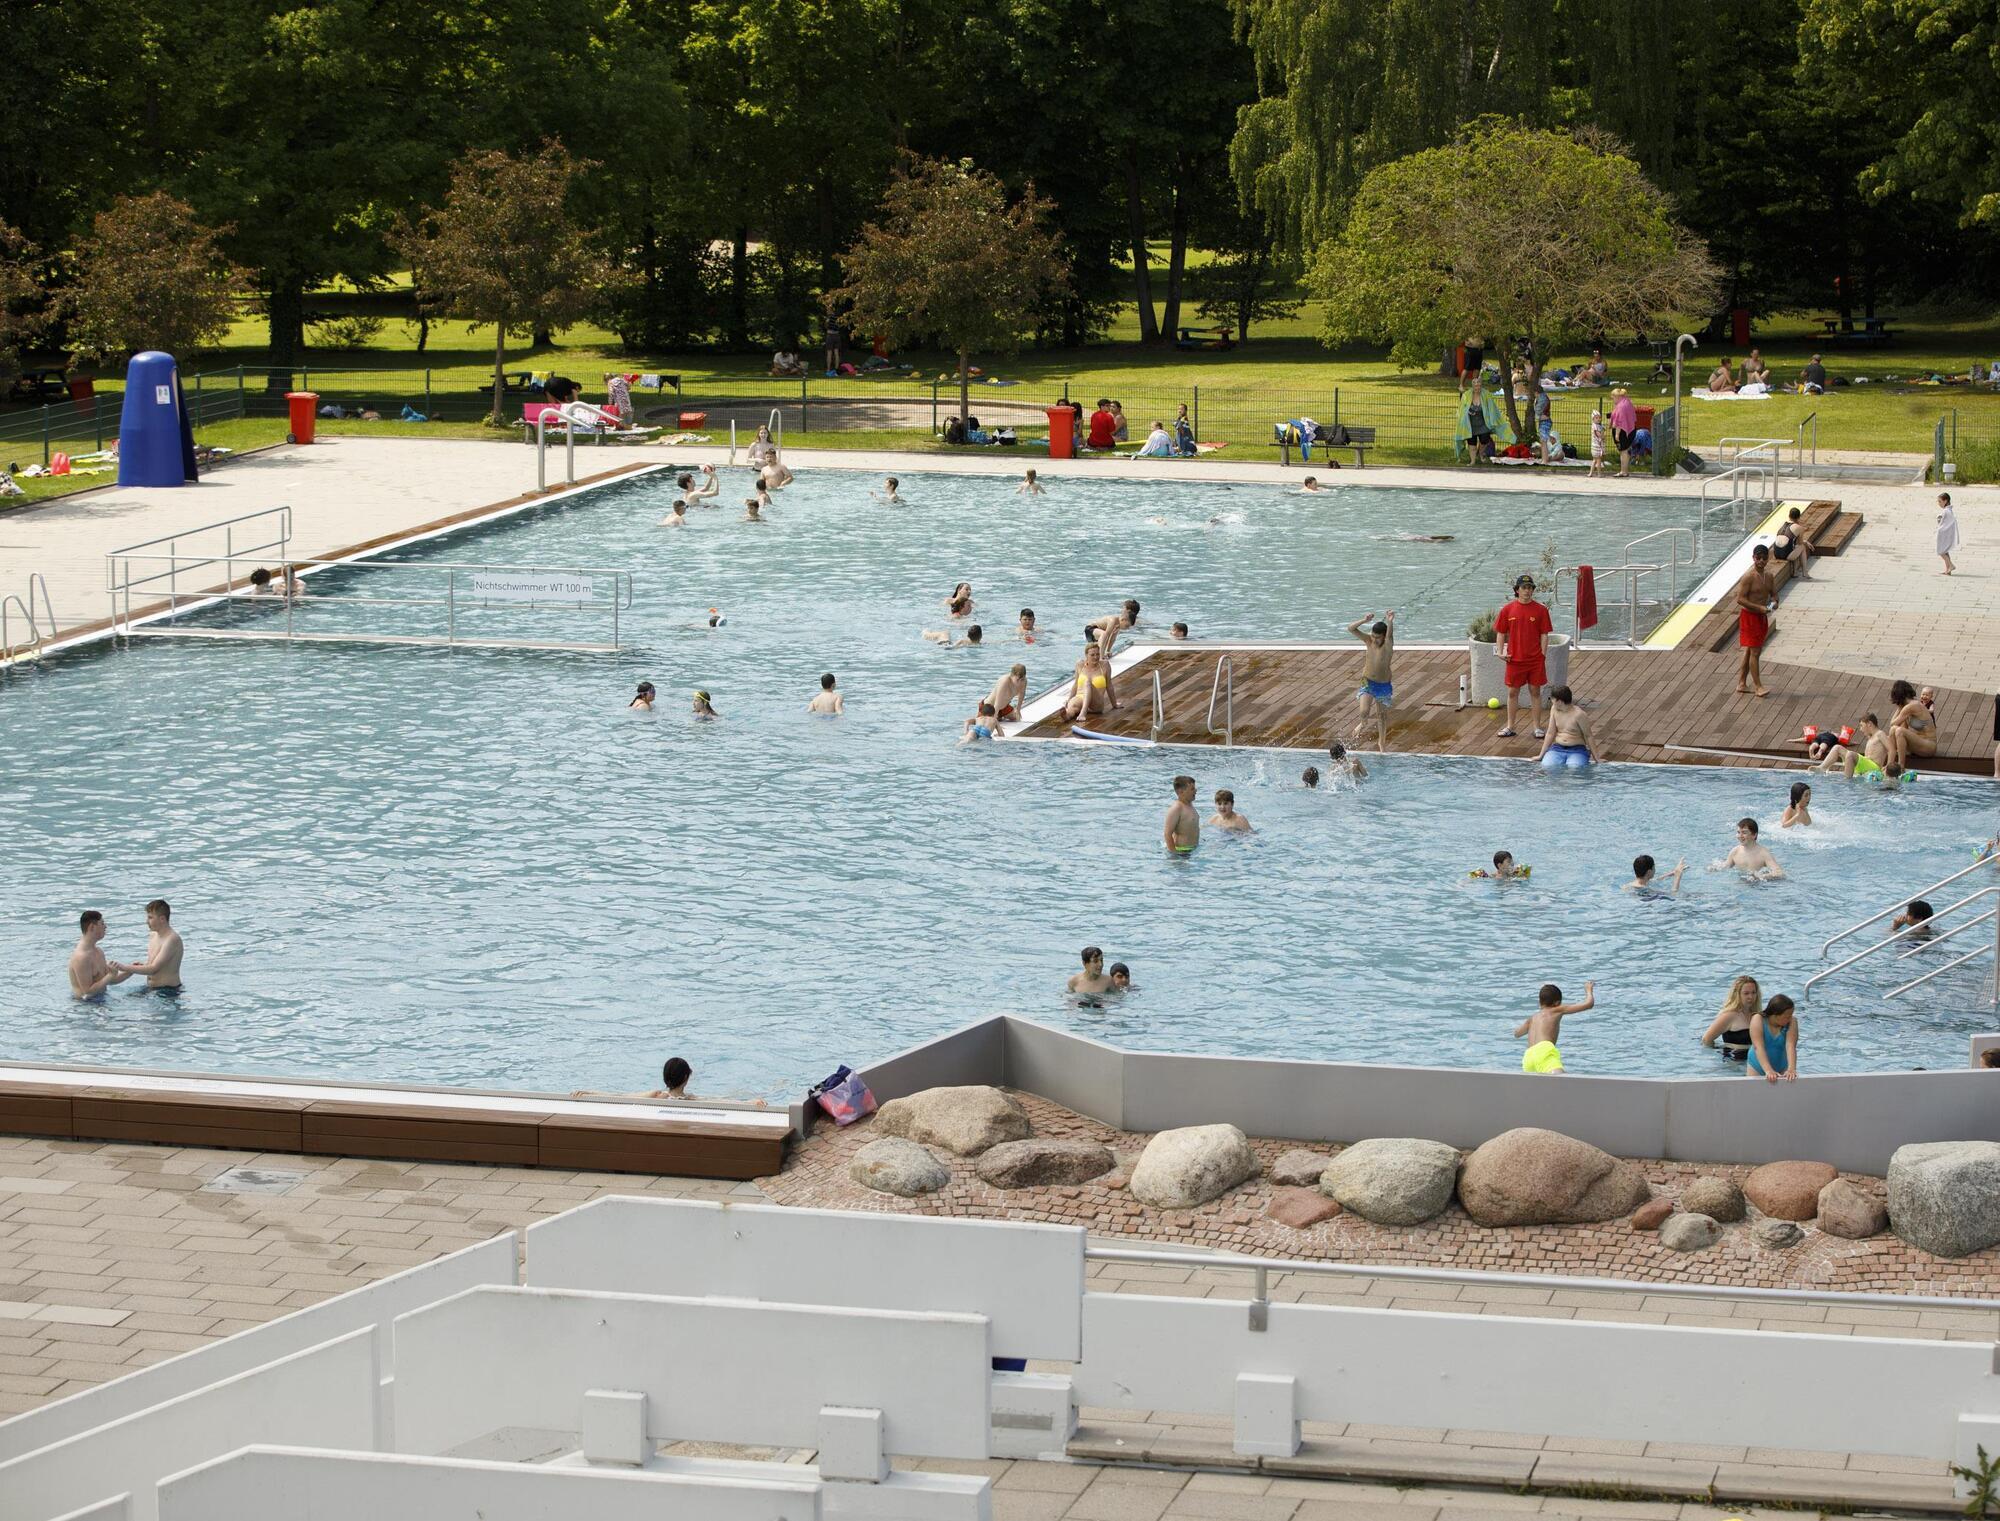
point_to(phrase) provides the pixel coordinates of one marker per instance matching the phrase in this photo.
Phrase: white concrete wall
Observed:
(711, 1370)
(294, 1484)
(325, 1395)
(1026, 1279)
(1541, 1377)
(374, 1306)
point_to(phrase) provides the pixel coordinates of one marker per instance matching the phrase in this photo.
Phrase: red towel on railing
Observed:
(1586, 597)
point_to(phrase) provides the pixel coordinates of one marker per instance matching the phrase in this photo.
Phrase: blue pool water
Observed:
(480, 867)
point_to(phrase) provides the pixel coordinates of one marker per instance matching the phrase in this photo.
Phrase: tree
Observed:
(1246, 282)
(151, 277)
(21, 301)
(503, 249)
(951, 260)
(1430, 254)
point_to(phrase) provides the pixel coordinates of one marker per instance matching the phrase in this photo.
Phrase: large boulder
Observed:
(1849, 1210)
(1717, 1198)
(1298, 1168)
(1788, 1190)
(964, 1121)
(1944, 1196)
(1538, 1177)
(1392, 1181)
(1300, 1208)
(1180, 1169)
(1035, 1163)
(1690, 1233)
(893, 1165)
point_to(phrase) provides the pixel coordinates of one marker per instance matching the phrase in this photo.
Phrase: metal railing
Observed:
(1799, 444)
(1908, 945)
(1743, 481)
(1224, 686)
(9, 652)
(1159, 707)
(1674, 564)
(1897, 906)
(120, 581)
(1632, 574)
(542, 451)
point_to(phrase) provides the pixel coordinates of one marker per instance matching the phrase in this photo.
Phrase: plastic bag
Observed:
(843, 1097)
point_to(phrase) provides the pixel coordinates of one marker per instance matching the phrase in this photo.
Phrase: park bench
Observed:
(1330, 436)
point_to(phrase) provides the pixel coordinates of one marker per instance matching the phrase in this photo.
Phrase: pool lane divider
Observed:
(1704, 598)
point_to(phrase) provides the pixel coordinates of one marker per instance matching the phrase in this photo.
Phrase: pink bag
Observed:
(844, 1097)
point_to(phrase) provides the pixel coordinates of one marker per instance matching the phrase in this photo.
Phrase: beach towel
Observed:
(1586, 597)
(1948, 536)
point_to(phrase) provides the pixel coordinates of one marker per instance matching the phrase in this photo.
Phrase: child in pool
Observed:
(1504, 868)
(1544, 1025)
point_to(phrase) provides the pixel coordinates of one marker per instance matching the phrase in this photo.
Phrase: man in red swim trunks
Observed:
(1523, 627)
(1754, 595)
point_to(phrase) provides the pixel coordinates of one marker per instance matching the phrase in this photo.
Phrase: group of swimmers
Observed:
(90, 973)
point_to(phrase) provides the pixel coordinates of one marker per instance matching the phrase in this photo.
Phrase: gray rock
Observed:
(893, 1165)
(1717, 1198)
(1036, 1163)
(1690, 1233)
(1944, 1196)
(1851, 1211)
(1181, 1169)
(1299, 1168)
(964, 1121)
(1539, 1177)
(1392, 1181)
(1779, 1233)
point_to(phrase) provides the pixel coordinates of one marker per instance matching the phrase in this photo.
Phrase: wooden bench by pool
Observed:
(695, 1140)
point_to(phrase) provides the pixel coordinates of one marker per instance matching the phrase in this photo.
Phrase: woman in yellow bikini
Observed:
(1094, 692)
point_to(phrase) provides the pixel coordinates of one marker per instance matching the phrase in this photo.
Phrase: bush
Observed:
(1978, 460)
(1481, 628)
(355, 332)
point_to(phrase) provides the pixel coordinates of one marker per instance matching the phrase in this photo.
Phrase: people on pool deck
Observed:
(89, 973)
(1184, 434)
(1786, 545)
(1092, 978)
(1344, 764)
(677, 515)
(1182, 830)
(1377, 693)
(1749, 855)
(1122, 430)
(1106, 630)
(1597, 439)
(827, 700)
(1178, 631)
(1504, 869)
(643, 698)
(674, 1075)
(1645, 878)
(959, 603)
(1869, 761)
(1756, 596)
(697, 495)
(1948, 537)
(1026, 627)
(1567, 747)
(1029, 486)
(1912, 727)
(1010, 692)
(1103, 426)
(1159, 442)
(1730, 1029)
(1093, 692)
(1798, 812)
(1914, 922)
(162, 966)
(985, 724)
(1773, 1052)
(1226, 817)
(704, 710)
(1522, 628)
(1544, 1027)
(1309, 777)
(941, 637)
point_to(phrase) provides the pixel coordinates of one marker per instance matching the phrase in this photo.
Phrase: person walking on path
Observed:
(1948, 537)
(1756, 595)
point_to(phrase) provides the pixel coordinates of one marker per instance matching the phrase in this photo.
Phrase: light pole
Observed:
(1687, 338)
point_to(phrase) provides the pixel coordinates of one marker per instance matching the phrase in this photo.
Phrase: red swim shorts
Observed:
(1527, 673)
(1752, 629)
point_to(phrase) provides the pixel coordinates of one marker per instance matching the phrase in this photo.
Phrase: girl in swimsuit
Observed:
(1798, 812)
(1732, 1025)
(1093, 693)
(1774, 1042)
(959, 603)
(1912, 730)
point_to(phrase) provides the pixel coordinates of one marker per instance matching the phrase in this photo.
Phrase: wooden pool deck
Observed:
(1674, 706)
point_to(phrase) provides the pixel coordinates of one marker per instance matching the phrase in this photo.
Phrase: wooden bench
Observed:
(1359, 439)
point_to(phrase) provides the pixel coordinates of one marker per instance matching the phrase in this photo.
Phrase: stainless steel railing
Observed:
(1224, 685)
(120, 581)
(1159, 707)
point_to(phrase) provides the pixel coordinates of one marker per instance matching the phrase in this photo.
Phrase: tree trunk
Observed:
(964, 385)
(1246, 299)
(544, 338)
(287, 305)
(499, 373)
(1135, 210)
(423, 332)
(739, 290)
(1177, 236)
(1507, 385)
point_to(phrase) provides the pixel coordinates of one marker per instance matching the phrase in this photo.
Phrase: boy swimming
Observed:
(1226, 817)
(1544, 1026)
(1750, 856)
(1182, 829)
(1504, 869)
(1645, 879)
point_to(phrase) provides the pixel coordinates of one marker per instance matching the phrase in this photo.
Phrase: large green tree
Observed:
(151, 277)
(22, 306)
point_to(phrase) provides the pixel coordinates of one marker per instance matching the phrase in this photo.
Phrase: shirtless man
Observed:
(162, 966)
(1870, 761)
(887, 495)
(1310, 486)
(1750, 856)
(1182, 830)
(89, 973)
(1226, 817)
(1106, 630)
(1544, 1026)
(678, 516)
(1377, 693)
(1010, 692)
(1756, 595)
(827, 700)
(694, 495)
(1093, 692)
(1029, 486)
(1091, 979)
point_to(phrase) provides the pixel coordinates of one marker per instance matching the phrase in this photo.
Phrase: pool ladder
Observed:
(1224, 686)
(1906, 947)
(37, 639)
(1159, 709)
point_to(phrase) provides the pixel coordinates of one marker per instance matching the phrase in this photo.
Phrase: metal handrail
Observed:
(542, 447)
(1631, 604)
(1159, 707)
(1799, 447)
(1773, 447)
(1915, 982)
(35, 580)
(1902, 938)
(1674, 561)
(7, 651)
(120, 559)
(1227, 688)
(1853, 929)
(1738, 476)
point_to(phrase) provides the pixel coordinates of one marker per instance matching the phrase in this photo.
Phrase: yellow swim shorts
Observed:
(1542, 1056)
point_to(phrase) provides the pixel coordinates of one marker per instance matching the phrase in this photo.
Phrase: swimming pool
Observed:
(480, 867)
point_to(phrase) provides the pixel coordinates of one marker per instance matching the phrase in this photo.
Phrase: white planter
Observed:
(1489, 672)
(1558, 661)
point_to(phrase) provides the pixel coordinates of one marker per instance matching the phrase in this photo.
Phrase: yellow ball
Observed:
(1492, 702)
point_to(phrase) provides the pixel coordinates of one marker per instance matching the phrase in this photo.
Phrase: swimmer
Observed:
(1774, 1042)
(1178, 631)
(775, 476)
(1106, 630)
(763, 497)
(1731, 1025)
(1026, 627)
(827, 700)
(763, 450)
(1344, 764)
(1010, 692)
(1376, 694)
(1567, 747)
(1121, 977)
(1646, 883)
(674, 1075)
(985, 724)
(1914, 923)
(704, 710)
(753, 509)
(162, 966)
(1504, 869)
(887, 495)
(677, 515)
(715, 618)
(1029, 486)
(1417, 538)
(1182, 830)
(1091, 979)
(959, 603)
(941, 637)
(1544, 1026)
(1226, 817)
(260, 583)
(1093, 692)
(643, 699)
(1798, 812)
(1309, 778)
(89, 973)
(1310, 486)
(289, 582)
(1750, 857)
(704, 494)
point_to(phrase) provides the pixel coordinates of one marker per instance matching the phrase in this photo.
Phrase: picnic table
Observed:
(1213, 339)
(1864, 330)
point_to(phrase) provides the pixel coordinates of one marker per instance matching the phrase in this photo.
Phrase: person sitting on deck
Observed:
(1159, 443)
(1103, 427)
(1912, 728)
(1867, 762)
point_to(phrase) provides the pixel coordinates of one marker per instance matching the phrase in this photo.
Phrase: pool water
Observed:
(481, 867)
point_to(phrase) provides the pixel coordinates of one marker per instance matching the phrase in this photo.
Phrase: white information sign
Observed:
(162, 396)
(532, 586)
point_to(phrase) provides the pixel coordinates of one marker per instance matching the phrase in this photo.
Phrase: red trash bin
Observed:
(83, 391)
(1062, 433)
(303, 409)
(1739, 327)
